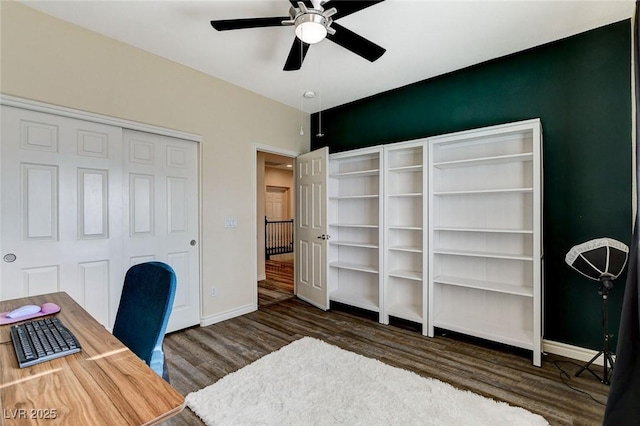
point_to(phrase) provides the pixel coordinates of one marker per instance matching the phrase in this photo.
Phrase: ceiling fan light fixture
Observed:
(311, 28)
(313, 22)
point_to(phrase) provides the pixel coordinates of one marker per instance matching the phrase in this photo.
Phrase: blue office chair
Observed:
(144, 310)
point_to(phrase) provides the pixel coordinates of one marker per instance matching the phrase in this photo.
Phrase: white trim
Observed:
(275, 150)
(261, 277)
(570, 351)
(254, 207)
(200, 229)
(232, 313)
(32, 105)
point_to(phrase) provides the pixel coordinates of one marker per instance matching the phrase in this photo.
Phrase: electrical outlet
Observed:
(214, 292)
(230, 222)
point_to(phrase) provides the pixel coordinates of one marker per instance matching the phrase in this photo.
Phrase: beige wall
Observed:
(48, 60)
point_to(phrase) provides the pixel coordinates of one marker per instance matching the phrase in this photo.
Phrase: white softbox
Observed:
(599, 258)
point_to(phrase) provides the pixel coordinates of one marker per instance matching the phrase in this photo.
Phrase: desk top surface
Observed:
(106, 383)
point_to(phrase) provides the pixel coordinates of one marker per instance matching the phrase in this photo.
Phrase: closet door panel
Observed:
(61, 208)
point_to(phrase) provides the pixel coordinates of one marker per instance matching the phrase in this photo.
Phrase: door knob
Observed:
(9, 257)
(193, 242)
(324, 237)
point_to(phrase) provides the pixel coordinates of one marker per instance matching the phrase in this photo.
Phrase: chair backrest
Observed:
(144, 310)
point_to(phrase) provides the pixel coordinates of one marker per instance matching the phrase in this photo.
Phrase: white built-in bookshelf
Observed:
(485, 234)
(355, 218)
(444, 232)
(404, 282)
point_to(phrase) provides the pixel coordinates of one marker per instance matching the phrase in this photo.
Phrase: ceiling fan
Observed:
(313, 22)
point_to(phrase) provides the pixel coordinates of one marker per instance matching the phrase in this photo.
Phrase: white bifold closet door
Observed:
(161, 214)
(74, 200)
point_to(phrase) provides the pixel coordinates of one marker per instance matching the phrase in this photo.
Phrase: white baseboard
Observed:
(570, 351)
(548, 346)
(213, 319)
(262, 277)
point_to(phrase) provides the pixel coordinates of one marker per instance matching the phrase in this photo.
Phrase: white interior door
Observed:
(276, 203)
(311, 227)
(61, 209)
(161, 214)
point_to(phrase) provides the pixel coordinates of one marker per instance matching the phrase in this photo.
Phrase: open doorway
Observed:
(275, 216)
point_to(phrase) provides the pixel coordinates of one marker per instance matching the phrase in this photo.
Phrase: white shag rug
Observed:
(310, 382)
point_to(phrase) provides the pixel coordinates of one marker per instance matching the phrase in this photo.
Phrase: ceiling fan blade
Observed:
(355, 43)
(348, 7)
(296, 55)
(238, 24)
(307, 3)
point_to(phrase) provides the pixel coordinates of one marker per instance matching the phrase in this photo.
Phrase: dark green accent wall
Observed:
(580, 88)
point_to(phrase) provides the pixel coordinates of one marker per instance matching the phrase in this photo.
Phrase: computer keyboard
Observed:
(42, 340)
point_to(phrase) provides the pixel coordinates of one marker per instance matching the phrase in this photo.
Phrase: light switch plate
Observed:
(230, 222)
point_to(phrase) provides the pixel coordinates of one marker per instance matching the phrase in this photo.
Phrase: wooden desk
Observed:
(105, 384)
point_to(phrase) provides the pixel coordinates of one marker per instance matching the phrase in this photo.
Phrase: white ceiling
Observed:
(423, 38)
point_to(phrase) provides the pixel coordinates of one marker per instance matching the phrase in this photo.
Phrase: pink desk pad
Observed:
(45, 309)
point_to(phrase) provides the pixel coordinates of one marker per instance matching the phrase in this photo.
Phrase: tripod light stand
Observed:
(603, 260)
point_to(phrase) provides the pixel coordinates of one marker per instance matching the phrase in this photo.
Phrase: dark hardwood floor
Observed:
(280, 271)
(278, 285)
(200, 356)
